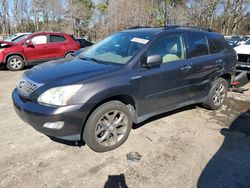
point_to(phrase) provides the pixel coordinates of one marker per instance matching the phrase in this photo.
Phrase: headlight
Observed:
(58, 96)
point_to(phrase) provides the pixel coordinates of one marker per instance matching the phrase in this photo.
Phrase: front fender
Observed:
(94, 97)
(14, 53)
(91, 102)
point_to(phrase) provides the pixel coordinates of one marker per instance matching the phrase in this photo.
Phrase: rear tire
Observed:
(15, 63)
(68, 55)
(108, 126)
(217, 94)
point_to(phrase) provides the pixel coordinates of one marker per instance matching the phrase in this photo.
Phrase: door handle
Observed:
(186, 68)
(219, 61)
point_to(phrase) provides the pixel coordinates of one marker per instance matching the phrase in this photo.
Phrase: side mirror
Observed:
(154, 60)
(29, 44)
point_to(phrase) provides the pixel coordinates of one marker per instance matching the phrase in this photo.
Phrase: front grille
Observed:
(244, 58)
(25, 87)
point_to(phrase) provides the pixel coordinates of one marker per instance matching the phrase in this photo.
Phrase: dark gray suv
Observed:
(126, 78)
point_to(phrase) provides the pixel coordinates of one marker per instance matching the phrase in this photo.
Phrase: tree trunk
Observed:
(225, 20)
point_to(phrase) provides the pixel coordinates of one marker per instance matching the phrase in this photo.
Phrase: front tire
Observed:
(108, 126)
(217, 94)
(15, 63)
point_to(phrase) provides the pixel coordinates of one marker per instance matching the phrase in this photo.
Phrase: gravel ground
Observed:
(189, 147)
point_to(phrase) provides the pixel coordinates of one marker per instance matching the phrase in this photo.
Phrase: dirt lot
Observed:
(190, 147)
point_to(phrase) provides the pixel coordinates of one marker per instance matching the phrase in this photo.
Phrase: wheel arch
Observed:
(67, 52)
(17, 54)
(123, 98)
(227, 77)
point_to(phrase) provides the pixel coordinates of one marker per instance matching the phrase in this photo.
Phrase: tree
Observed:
(98, 19)
(5, 16)
(79, 14)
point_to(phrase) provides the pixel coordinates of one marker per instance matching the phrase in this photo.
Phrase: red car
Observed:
(36, 48)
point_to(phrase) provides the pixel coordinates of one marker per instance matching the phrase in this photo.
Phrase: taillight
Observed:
(235, 83)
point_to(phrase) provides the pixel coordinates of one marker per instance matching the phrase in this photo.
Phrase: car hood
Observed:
(68, 71)
(243, 49)
(4, 44)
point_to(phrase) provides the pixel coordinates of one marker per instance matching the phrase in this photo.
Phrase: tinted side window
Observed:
(171, 48)
(215, 46)
(220, 44)
(212, 47)
(197, 44)
(57, 38)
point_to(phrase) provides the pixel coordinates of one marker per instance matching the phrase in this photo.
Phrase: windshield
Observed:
(18, 39)
(117, 48)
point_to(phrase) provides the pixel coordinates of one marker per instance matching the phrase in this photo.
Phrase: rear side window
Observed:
(215, 46)
(197, 44)
(57, 38)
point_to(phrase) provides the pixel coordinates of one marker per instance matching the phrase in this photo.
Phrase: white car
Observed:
(243, 52)
(243, 49)
(15, 36)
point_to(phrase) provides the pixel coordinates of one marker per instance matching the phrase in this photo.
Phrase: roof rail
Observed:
(138, 27)
(187, 27)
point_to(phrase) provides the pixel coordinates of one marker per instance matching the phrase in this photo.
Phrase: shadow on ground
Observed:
(81, 143)
(116, 181)
(4, 68)
(78, 143)
(190, 107)
(230, 166)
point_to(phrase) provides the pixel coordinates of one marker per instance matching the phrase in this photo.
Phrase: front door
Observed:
(164, 87)
(38, 51)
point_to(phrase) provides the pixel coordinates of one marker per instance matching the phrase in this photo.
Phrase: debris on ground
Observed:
(134, 156)
(238, 90)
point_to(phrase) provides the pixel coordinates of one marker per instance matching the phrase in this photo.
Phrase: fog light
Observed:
(54, 125)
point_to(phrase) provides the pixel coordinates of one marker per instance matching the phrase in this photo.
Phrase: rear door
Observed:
(165, 86)
(205, 65)
(56, 45)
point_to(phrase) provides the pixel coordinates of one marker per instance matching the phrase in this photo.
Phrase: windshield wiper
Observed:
(82, 57)
(92, 59)
(96, 60)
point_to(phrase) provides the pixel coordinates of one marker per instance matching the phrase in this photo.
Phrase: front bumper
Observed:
(36, 115)
(243, 66)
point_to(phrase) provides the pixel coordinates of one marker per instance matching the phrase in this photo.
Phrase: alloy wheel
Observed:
(16, 63)
(111, 128)
(219, 95)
